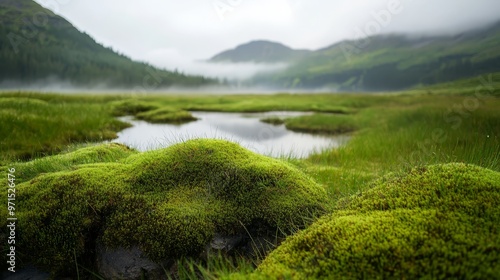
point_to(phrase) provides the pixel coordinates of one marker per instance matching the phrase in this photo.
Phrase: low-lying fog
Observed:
(171, 60)
(233, 74)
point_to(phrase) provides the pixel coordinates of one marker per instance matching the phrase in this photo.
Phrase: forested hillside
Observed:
(260, 51)
(388, 62)
(36, 44)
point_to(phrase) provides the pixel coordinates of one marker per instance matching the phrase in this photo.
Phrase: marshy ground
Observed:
(414, 193)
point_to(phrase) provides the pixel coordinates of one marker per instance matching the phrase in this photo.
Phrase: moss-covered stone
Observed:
(435, 222)
(169, 202)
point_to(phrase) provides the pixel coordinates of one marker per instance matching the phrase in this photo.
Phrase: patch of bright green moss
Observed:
(273, 120)
(322, 123)
(33, 128)
(170, 202)
(166, 115)
(439, 221)
(19, 103)
(111, 152)
(150, 111)
(131, 107)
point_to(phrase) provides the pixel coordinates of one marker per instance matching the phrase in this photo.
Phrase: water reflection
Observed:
(243, 128)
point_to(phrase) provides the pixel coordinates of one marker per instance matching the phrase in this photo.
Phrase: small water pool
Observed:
(243, 128)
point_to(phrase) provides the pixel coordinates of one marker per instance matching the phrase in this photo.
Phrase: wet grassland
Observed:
(414, 193)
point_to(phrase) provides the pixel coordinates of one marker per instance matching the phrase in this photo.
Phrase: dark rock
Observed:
(127, 264)
(27, 273)
(255, 245)
(225, 242)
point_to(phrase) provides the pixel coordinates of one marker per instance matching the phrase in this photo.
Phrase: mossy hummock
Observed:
(166, 115)
(170, 202)
(439, 222)
(65, 161)
(151, 112)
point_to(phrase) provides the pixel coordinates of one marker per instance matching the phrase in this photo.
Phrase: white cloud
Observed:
(161, 31)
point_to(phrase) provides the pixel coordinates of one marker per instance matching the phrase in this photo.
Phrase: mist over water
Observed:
(220, 70)
(232, 76)
(69, 88)
(231, 71)
(55, 85)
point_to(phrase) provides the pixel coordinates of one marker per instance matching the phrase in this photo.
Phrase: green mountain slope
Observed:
(36, 44)
(393, 62)
(260, 51)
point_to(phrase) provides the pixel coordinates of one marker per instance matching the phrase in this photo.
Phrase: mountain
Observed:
(391, 62)
(37, 45)
(260, 51)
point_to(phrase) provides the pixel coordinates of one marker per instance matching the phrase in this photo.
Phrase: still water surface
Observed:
(243, 128)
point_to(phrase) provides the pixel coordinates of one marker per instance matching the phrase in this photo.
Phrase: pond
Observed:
(243, 128)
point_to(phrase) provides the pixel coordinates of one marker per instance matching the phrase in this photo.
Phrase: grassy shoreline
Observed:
(391, 131)
(392, 134)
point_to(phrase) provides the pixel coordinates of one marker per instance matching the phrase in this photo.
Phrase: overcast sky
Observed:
(173, 33)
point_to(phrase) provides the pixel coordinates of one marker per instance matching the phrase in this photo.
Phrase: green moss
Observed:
(166, 115)
(435, 222)
(273, 120)
(260, 187)
(19, 103)
(322, 123)
(448, 187)
(111, 152)
(151, 111)
(62, 213)
(131, 107)
(170, 202)
(32, 127)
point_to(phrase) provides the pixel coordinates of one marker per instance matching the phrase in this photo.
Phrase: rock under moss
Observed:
(435, 222)
(169, 202)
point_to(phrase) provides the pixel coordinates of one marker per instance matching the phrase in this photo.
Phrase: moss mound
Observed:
(273, 120)
(131, 107)
(323, 123)
(170, 202)
(151, 112)
(435, 222)
(166, 115)
(19, 103)
(111, 152)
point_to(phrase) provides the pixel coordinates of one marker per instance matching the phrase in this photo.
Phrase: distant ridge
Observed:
(38, 45)
(260, 51)
(378, 63)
